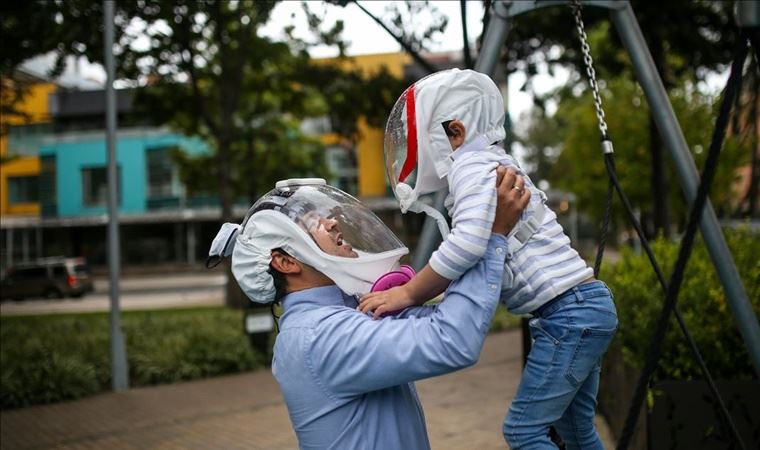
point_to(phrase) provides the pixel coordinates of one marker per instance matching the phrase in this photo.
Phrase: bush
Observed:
(503, 320)
(702, 302)
(46, 359)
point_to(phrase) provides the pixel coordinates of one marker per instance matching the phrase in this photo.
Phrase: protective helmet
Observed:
(417, 150)
(318, 225)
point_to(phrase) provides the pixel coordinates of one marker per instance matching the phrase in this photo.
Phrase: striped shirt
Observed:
(543, 268)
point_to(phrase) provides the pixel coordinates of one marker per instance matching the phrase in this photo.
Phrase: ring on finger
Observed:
(519, 188)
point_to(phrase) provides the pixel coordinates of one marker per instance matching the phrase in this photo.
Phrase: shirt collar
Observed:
(319, 296)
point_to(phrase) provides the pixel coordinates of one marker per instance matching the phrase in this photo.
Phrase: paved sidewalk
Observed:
(464, 410)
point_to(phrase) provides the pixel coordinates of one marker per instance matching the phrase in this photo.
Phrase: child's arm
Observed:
(425, 285)
(472, 185)
(428, 283)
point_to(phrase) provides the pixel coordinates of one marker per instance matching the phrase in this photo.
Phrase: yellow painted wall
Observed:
(369, 150)
(19, 167)
(369, 146)
(35, 104)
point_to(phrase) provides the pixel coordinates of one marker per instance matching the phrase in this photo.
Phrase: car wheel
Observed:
(53, 293)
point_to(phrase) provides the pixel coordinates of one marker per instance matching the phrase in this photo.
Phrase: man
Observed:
(348, 379)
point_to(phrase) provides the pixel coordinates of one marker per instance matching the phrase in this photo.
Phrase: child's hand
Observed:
(385, 301)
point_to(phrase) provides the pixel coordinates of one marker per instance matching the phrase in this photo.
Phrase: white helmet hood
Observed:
(287, 217)
(417, 150)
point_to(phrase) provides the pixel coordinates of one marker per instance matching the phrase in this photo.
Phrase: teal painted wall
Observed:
(73, 155)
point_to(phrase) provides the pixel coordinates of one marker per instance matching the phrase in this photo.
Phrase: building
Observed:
(22, 132)
(63, 169)
(56, 200)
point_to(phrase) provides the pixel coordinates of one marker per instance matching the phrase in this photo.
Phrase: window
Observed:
(95, 186)
(160, 173)
(23, 189)
(26, 139)
(342, 164)
(30, 274)
(316, 125)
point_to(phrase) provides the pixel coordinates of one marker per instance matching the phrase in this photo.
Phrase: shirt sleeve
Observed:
(472, 184)
(354, 354)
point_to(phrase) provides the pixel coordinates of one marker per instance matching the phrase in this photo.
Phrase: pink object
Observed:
(392, 279)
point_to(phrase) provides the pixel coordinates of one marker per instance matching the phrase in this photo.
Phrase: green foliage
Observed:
(206, 69)
(696, 36)
(568, 143)
(503, 320)
(702, 302)
(53, 358)
(278, 152)
(210, 72)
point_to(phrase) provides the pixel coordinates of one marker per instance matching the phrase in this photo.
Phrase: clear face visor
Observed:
(400, 143)
(337, 222)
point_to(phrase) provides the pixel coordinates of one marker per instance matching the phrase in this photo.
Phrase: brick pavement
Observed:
(464, 410)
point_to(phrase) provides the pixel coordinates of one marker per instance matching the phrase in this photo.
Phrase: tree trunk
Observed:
(233, 295)
(754, 139)
(659, 180)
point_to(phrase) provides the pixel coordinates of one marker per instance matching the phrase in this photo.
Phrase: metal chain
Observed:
(576, 6)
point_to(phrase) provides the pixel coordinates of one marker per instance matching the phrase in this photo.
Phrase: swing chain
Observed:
(589, 62)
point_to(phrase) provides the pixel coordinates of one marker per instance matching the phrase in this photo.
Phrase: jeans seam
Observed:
(555, 340)
(575, 426)
(535, 390)
(584, 332)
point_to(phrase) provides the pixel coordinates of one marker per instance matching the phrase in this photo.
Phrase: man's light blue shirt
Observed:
(348, 380)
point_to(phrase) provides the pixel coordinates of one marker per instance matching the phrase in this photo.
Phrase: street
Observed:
(137, 293)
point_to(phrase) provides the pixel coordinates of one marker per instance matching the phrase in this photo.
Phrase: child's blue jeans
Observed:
(561, 378)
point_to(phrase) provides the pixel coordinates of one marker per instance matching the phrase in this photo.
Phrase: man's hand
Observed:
(511, 199)
(383, 302)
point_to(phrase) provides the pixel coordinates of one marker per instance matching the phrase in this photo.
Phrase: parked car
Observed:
(48, 278)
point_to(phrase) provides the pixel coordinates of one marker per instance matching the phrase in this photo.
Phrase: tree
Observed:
(685, 38)
(205, 68)
(570, 143)
(33, 28)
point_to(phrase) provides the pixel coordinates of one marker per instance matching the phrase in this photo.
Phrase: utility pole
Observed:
(119, 372)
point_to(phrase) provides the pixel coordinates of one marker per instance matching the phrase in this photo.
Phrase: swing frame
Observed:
(624, 21)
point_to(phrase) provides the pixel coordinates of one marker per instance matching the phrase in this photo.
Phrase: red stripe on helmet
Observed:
(411, 136)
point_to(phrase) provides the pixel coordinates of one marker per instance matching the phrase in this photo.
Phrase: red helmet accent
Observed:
(411, 136)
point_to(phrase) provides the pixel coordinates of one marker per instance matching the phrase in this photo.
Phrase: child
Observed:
(443, 132)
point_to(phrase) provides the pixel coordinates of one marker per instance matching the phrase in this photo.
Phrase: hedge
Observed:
(702, 302)
(46, 359)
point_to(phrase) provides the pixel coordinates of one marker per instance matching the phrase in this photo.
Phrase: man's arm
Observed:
(356, 354)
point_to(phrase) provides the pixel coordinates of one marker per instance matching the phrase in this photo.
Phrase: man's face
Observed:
(329, 238)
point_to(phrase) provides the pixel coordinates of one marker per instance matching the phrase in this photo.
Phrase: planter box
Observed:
(686, 416)
(683, 415)
(616, 387)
